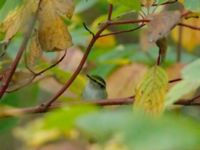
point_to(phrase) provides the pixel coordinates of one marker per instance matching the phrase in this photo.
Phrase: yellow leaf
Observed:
(20, 79)
(53, 33)
(36, 134)
(190, 38)
(35, 51)
(18, 19)
(107, 41)
(181, 1)
(151, 91)
(64, 8)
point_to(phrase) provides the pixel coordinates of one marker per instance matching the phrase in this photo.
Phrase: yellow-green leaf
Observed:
(35, 51)
(53, 33)
(190, 78)
(18, 19)
(151, 91)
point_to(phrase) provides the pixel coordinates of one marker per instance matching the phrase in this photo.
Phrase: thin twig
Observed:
(81, 64)
(110, 10)
(77, 71)
(87, 29)
(35, 75)
(175, 80)
(189, 26)
(179, 44)
(123, 31)
(159, 57)
(128, 22)
(52, 65)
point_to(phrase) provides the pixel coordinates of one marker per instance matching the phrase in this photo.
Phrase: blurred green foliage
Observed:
(174, 130)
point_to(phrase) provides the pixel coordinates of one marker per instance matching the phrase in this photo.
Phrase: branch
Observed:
(14, 112)
(87, 29)
(179, 44)
(36, 74)
(123, 31)
(19, 54)
(81, 64)
(77, 71)
(189, 26)
(110, 10)
(128, 22)
(175, 80)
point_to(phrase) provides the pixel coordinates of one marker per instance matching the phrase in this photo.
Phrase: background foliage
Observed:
(122, 60)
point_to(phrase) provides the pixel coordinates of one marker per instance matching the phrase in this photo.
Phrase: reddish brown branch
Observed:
(81, 64)
(179, 44)
(189, 26)
(77, 71)
(106, 102)
(123, 31)
(159, 57)
(18, 57)
(128, 22)
(92, 42)
(110, 10)
(175, 80)
(36, 74)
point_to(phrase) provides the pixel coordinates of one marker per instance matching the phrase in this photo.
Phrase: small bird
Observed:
(95, 88)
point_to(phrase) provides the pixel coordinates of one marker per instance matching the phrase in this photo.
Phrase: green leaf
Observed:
(62, 77)
(8, 6)
(7, 124)
(180, 90)
(193, 5)
(83, 5)
(64, 119)
(192, 71)
(141, 132)
(151, 91)
(190, 78)
(2, 3)
(134, 5)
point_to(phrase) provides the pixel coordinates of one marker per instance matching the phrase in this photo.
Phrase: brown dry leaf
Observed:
(52, 32)
(174, 71)
(190, 38)
(18, 19)
(64, 8)
(50, 85)
(35, 51)
(63, 146)
(72, 59)
(161, 24)
(123, 81)
(20, 79)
